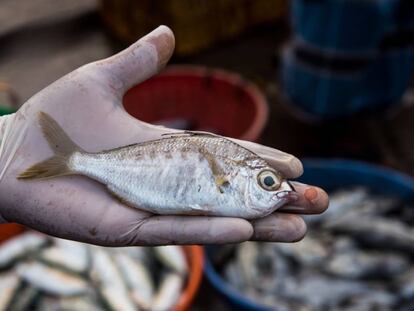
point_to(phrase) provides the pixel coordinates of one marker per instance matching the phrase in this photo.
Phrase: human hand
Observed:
(87, 103)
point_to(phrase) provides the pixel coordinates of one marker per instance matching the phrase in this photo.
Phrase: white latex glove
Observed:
(87, 103)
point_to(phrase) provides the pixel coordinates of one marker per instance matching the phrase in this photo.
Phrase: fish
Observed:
(357, 257)
(51, 280)
(137, 278)
(378, 300)
(169, 292)
(184, 173)
(375, 231)
(311, 251)
(68, 255)
(48, 303)
(17, 247)
(109, 281)
(80, 303)
(363, 264)
(321, 292)
(59, 274)
(172, 256)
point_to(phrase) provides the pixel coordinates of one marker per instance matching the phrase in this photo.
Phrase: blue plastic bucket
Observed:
(348, 56)
(323, 93)
(329, 174)
(355, 26)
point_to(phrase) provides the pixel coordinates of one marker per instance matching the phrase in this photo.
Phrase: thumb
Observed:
(140, 61)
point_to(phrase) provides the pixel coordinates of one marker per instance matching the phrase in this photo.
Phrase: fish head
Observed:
(266, 190)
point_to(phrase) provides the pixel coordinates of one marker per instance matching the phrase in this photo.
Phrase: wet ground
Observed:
(42, 40)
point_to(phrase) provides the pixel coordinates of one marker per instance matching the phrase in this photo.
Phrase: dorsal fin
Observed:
(192, 133)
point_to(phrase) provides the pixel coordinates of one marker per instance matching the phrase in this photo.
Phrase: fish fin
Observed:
(201, 133)
(199, 210)
(191, 133)
(58, 140)
(220, 178)
(220, 182)
(62, 146)
(52, 167)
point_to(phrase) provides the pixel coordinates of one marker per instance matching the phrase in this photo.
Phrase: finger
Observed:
(310, 200)
(287, 164)
(279, 227)
(164, 230)
(140, 61)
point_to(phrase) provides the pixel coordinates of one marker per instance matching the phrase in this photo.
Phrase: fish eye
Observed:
(268, 180)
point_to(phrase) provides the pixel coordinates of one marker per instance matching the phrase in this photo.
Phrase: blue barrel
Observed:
(353, 26)
(331, 175)
(348, 56)
(317, 90)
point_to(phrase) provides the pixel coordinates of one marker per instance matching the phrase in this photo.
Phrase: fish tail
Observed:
(62, 146)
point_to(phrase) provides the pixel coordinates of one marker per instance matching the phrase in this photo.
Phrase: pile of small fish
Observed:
(38, 272)
(359, 255)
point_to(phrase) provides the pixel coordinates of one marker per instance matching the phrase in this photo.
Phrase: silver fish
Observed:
(107, 277)
(80, 303)
(137, 278)
(378, 300)
(51, 280)
(376, 231)
(168, 293)
(74, 260)
(363, 264)
(172, 256)
(321, 292)
(20, 246)
(358, 257)
(48, 303)
(311, 251)
(188, 173)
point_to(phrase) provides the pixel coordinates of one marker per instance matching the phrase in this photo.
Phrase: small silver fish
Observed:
(108, 279)
(173, 257)
(65, 259)
(137, 278)
(52, 281)
(169, 292)
(186, 173)
(17, 247)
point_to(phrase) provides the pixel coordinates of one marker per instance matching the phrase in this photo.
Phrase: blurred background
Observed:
(330, 81)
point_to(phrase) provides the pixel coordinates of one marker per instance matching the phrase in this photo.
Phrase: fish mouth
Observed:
(286, 186)
(291, 185)
(286, 192)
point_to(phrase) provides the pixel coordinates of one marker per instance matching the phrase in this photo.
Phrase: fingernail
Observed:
(311, 194)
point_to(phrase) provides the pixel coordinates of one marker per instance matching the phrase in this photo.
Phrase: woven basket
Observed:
(197, 24)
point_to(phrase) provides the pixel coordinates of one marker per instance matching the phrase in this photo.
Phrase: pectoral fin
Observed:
(220, 177)
(197, 209)
(220, 182)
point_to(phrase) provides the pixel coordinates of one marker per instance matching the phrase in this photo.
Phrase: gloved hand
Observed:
(87, 104)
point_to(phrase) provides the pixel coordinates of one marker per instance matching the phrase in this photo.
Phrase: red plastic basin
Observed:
(200, 98)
